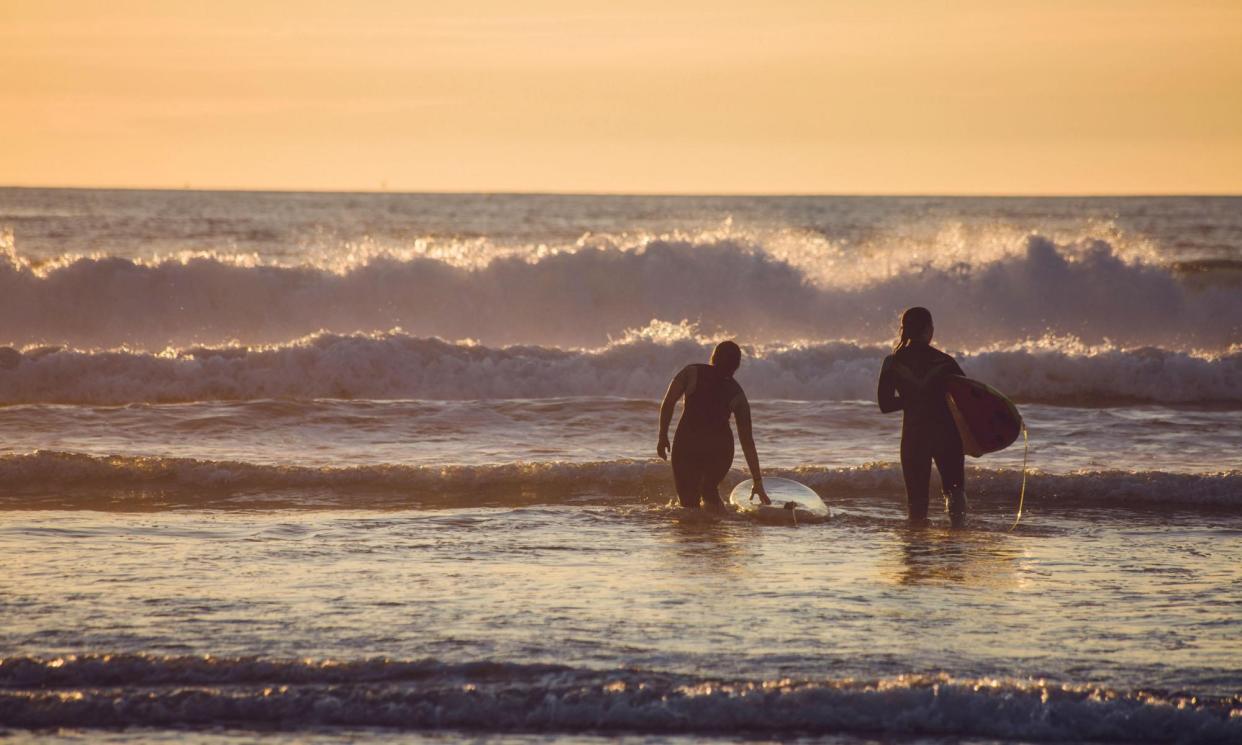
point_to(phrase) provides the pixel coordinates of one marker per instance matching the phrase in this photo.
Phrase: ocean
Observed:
(314, 467)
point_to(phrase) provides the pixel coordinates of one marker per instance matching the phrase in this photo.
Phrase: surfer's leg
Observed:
(710, 494)
(686, 476)
(716, 467)
(916, 470)
(951, 463)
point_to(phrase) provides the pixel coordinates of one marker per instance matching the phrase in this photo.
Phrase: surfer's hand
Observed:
(757, 489)
(662, 447)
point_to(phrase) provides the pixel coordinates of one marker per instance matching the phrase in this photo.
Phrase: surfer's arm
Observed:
(676, 389)
(887, 395)
(741, 412)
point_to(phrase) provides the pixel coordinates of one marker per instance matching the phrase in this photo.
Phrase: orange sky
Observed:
(833, 96)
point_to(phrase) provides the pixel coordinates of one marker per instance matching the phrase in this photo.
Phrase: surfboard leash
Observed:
(1026, 451)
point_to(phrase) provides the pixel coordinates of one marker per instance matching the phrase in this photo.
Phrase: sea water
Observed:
(323, 467)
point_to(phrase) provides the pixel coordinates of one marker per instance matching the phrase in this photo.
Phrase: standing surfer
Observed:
(703, 445)
(912, 381)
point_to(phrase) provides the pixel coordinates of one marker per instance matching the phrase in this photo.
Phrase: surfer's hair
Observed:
(727, 356)
(914, 322)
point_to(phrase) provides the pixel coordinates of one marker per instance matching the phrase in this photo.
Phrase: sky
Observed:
(727, 96)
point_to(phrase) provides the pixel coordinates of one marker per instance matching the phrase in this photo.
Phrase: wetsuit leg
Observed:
(716, 466)
(951, 463)
(916, 463)
(687, 474)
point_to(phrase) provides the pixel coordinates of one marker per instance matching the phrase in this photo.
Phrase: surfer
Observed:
(912, 381)
(703, 445)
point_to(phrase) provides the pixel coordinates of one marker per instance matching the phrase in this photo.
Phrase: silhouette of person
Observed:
(703, 444)
(912, 380)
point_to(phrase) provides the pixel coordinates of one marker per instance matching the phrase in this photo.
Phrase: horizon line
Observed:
(673, 194)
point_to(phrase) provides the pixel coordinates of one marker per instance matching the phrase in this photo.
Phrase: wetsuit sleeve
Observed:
(887, 395)
(676, 389)
(741, 412)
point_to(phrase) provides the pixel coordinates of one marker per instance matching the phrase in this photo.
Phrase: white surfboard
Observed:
(791, 502)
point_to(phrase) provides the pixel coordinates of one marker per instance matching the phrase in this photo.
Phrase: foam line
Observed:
(398, 365)
(135, 690)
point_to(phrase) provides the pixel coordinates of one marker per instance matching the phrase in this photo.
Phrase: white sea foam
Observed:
(397, 365)
(61, 480)
(579, 297)
(506, 697)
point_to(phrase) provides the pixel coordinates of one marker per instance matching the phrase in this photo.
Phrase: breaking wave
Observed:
(61, 480)
(577, 298)
(397, 365)
(138, 690)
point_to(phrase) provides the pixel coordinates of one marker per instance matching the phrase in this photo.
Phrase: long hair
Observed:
(728, 357)
(914, 322)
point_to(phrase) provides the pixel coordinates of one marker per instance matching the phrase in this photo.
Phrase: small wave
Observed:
(397, 365)
(135, 690)
(1208, 266)
(60, 480)
(577, 298)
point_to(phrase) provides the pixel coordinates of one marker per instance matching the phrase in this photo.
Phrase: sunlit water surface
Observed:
(328, 467)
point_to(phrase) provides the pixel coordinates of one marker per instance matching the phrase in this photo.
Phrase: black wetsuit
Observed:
(927, 429)
(703, 444)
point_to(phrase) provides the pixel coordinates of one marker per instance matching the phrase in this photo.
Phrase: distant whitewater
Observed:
(583, 296)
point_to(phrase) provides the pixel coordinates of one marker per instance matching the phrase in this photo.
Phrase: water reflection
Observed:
(936, 556)
(709, 543)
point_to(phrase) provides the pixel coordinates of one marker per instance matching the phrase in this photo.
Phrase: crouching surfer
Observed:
(912, 381)
(703, 445)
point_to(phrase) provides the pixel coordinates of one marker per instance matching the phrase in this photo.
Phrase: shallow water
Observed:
(641, 587)
(594, 604)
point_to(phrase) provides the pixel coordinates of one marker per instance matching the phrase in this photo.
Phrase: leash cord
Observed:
(1026, 451)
